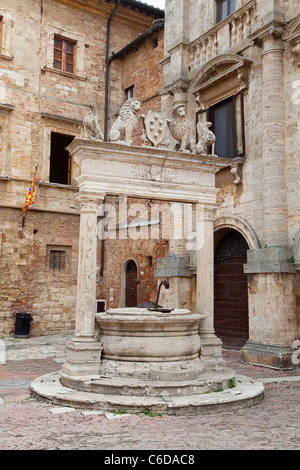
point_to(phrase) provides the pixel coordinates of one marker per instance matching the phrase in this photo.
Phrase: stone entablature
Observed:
(118, 169)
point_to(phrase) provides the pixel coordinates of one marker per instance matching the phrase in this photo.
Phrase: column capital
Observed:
(208, 210)
(89, 197)
(272, 30)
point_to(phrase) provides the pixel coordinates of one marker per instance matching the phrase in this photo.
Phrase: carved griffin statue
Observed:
(122, 129)
(180, 129)
(90, 124)
(206, 138)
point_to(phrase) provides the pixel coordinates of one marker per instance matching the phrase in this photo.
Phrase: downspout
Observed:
(107, 70)
(106, 116)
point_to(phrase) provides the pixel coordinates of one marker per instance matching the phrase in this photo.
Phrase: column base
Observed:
(276, 356)
(211, 351)
(83, 358)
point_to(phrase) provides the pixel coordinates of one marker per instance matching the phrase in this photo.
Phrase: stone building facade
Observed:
(52, 66)
(236, 64)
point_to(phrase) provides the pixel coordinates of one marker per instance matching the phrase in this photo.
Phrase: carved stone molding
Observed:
(231, 221)
(274, 29)
(292, 36)
(226, 71)
(236, 170)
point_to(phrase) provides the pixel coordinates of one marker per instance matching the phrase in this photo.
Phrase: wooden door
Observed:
(131, 285)
(231, 319)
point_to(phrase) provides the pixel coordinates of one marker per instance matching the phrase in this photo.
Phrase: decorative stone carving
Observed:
(180, 129)
(206, 138)
(236, 170)
(126, 123)
(90, 124)
(296, 51)
(155, 128)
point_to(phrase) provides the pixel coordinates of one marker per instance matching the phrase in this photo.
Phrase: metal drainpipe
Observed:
(106, 114)
(107, 70)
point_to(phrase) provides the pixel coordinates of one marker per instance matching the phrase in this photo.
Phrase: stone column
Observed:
(84, 351)
(211, 346)
(273, 140)
(272, 312)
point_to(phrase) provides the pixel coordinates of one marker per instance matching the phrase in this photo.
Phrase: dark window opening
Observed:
(101, 305)
(227, 118)
(225, 8)
(149, 261)
(129, 93)
(57, 260)
(154, 43)
(60, 160)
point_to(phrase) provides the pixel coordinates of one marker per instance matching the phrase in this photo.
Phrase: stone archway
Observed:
(130, 286)
(231, 298)
(231, 315)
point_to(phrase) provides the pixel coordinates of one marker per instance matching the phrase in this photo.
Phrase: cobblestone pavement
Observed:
(30, 424)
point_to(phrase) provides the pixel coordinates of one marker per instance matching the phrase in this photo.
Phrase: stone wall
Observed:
(145, 250)
(35, 100)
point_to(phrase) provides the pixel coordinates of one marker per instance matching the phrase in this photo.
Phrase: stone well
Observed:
(150, 360)
(149, 353)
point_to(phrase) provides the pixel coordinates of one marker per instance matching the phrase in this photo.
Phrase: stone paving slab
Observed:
(246, 393)
(28, 424)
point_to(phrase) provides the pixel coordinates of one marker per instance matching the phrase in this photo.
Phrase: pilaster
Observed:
(211, 346)
(84, 351)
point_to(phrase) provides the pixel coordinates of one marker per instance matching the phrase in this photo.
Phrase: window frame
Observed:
(69, 158)
(57, 260)
(64, 53)
(62, 251)
(219, 16)
(209, 114)
(129, 92)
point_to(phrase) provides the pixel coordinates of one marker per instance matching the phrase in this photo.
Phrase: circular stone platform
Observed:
(149, 360)
(245, 393)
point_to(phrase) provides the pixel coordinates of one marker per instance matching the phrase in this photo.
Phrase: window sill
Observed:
(58, 185)
(6, 56)
(7, 107)
(65, 74)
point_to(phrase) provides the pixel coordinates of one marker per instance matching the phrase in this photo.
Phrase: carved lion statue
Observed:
(126, 123)
(206, 138)
(90, 123)
(180, 129)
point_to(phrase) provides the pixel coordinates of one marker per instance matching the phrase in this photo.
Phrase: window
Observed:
(64, 55)
(227, 118)
(101, 306)
(129, 92)
(57, 260)
(225, 8)
(60, 160)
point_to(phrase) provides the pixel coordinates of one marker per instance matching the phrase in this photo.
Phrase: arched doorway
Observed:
(130, 284)
(231, 317)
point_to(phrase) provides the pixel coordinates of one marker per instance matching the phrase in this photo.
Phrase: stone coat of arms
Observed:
(155, 127)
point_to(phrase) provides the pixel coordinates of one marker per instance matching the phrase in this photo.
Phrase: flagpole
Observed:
(29, 199)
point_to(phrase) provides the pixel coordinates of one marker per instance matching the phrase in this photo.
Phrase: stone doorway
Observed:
(130, 284)
(231, 316)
